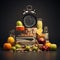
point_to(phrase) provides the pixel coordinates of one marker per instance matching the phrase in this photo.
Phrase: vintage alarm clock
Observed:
(29, 17)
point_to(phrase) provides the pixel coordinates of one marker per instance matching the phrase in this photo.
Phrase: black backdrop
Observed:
(11, 11)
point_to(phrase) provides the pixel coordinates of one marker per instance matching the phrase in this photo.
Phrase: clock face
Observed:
(29, 21)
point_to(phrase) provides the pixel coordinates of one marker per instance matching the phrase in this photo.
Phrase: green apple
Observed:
(35, 48)
(18, 46)
(19, 23)
(53, 47)
(13, 48)
(27, 48)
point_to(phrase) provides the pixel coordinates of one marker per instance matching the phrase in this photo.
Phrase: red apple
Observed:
(20, 28)
(41, 41)
(45, 48)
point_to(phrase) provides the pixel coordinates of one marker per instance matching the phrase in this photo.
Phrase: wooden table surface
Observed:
(43, 55)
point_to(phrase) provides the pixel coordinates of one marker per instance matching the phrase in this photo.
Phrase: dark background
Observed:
(11, 11)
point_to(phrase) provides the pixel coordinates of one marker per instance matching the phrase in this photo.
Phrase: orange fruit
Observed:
(11, 40)
(7, 46)
(48, 44)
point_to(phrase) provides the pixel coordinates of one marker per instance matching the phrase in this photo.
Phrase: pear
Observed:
(27, 48)
(18, 46)
(13, 48)
(19, 23)
(35, 48)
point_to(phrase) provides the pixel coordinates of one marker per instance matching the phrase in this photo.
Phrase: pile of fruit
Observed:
(47, 46)
(40, 44)
(10, 42)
